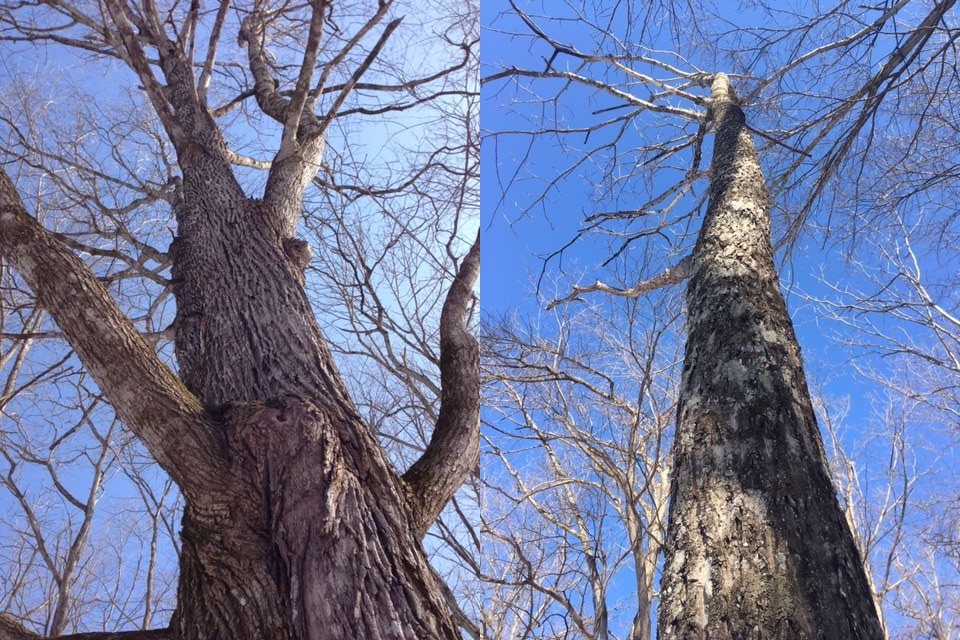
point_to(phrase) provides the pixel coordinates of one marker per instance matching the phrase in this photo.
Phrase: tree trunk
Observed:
(307, 533)
(757, 546)
(307, 537)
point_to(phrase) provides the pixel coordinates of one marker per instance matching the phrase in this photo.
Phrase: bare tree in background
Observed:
(295, 523)
(575, 468)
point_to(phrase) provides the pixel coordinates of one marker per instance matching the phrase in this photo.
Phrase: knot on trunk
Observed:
(288, 421)
(298, 252)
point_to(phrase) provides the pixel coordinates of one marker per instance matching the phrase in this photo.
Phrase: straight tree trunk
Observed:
(757, 546)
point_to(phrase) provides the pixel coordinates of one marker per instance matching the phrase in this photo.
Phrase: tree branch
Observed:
(253, 31)
(454, 449)
(204, 82)
(675, 274)
(13, 630)
(295, 110)
(168, 419)
(355, 78)
(130, 50)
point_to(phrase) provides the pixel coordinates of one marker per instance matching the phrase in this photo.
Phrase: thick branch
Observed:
(291, 127)
(130, 50)
(12, 630)
(454, 449)
(145, 394)
(674, 275)
(252, 31)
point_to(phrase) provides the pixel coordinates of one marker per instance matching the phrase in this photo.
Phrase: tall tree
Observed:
(295, 523)
(605, 109)
(757, 545)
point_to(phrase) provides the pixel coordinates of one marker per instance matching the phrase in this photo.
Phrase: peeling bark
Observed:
(757, 546)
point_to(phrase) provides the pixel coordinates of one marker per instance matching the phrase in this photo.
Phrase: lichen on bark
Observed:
(757, 546)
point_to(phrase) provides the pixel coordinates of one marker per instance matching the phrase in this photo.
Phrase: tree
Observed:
(757, 545)
(576, 468)
(616, 94)
(295, 523)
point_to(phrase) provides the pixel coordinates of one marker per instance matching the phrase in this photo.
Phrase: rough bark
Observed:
(757, 546)
(295, 525)
(307, 535)
(145, 394)
(454, 449)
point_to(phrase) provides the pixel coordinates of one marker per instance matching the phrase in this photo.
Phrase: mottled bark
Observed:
(757, 546)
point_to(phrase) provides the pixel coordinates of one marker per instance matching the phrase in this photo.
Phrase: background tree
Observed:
(581, 407)
(603, 101)
(284, 483)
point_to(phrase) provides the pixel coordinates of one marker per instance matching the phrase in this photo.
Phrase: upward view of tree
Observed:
(610, 126)
(177, 224)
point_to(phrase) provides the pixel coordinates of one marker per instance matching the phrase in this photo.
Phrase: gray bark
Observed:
(757, 546)
(295, 525)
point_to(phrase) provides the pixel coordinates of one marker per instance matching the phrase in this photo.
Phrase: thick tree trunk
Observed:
(757, 546)
(295, 526)
(308, 536)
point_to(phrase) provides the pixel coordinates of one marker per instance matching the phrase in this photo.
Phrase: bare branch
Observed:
(204, 82)
(454, 448)
(129, 48)
(358, 73)
(292, 123)
(674, 275)
(146, 395)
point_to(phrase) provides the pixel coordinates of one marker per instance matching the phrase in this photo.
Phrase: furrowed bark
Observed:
(757, 546)
(298, 529)
(307, 537)
(244, 330)
(145, 394)
(454, 448)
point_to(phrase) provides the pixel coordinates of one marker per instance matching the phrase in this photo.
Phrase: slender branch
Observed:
(204, 82)
(247, 161)
(596, 84)
(454, 448)
(674, 275)
(344, 51)
(357, 74)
